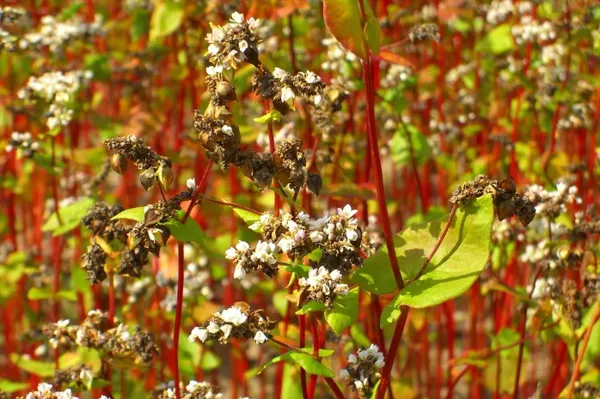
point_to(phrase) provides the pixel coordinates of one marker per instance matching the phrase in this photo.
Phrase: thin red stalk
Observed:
(276, 199)
(586, 341)
(178, 310)
(180, 280)
(456, 380)
(312, 383)
(334, 388)
(522, 331)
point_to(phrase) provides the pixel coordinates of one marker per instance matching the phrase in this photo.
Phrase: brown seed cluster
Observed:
(79, 376)
(288, 163)
(153, 166)
(506, 199)
(423, 32)
(94, 332)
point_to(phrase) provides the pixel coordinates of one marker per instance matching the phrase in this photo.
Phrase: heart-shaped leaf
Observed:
(455, 266)
(344, 22)
(344, 311)
(304, 360)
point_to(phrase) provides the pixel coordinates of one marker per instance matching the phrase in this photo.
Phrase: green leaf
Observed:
(400, 148)
(69, 12)
(209, 361)
(36, 294)
(8, 386)
(248, 217)
(43, 369)
(376, 275)
(98, 64)
(344, 311)
(273, 116)
(343, 21)
(358, 335)
(189, 231)
(497, 41)
(372, 29)
(140, 24)
(304, 360)
(136, 214)
(70, 216)
(455, 266)
(166, 19)
(69, 295)
(311, 306)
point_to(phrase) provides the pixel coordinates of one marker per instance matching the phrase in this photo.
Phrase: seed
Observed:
(118, 163)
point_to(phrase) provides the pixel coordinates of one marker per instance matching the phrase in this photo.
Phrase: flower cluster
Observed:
(94, 332)
(338, 237)
(24, 143)
(395, 75)
(531, 31)
(238, 321)
(363, 370)
(552, 203)
(578, 116)
(44, 391)
(499, 11)
(234, 42)
(193, 390)
(56, 90)
(56, 35)
(322, 286)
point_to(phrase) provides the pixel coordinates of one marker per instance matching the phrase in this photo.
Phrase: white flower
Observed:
(226, 328)
(316, 236)
(264, 252)
(239, 272)
(243, 45)
(351, 235)
(234, 316)
(344, 374)
(311, 77)
(214, 70)
(352, 358)
(317, 99)
(44, 387)
(227, 130)
(286, 244)
(287, 94)
(347, 212)
(231, 253)
(191, 387)
(237, 17)
(212, 327)
(260, 337)
(191, 183)
(213, 49)
(199, 333)
(63, 323)
(279, 73)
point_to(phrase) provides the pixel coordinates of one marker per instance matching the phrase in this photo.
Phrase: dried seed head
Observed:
(165, 175)
(147, 179)
(118, 163)
(314, 183)
(226, 91)
(424, 32)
